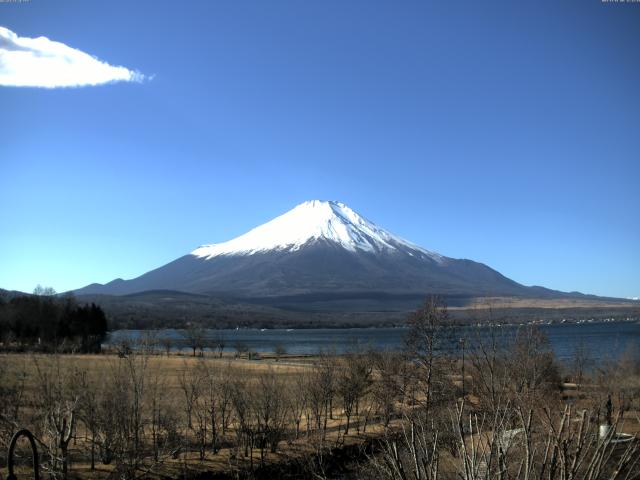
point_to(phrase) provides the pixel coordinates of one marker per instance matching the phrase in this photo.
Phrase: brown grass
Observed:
(169, 369)
(485, 303)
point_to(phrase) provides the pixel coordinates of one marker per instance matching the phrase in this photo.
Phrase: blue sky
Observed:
(505, 132)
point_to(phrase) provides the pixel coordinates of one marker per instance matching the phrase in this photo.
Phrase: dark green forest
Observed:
(51, 323)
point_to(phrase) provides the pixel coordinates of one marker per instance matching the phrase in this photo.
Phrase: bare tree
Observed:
(512, 444)
(211, 388)
(280, 351)
(353, 382)
(270, 410)
(241, 349)
(629, 377)
(202, 412)
(58, 400)
(427, 328)
(298, 399)
(167, 343)
(581, 362)
(388, 385)
(163, 423)
(190, 381)
(194, 336)
(534, 372)
(489, 368)
(108, 414)
(241, 399)
(219, 343)
(41, 291)
(225, 395)
(122, 419)
(88, 410)
(321, 387)
(147, 342)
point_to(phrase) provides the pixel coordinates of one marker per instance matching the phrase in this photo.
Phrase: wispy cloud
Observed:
(40, 62)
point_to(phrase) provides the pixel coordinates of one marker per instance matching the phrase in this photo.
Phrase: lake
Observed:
(605, 340)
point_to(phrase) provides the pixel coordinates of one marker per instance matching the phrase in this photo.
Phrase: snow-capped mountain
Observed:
(317, 250)
(313, 221)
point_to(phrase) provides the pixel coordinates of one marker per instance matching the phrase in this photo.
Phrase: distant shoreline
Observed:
(605, 339)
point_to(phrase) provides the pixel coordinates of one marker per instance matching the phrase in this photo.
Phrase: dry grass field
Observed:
(484, 303)
(147, 414)
(166, 378)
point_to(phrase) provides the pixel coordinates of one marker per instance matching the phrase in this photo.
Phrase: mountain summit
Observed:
(320, 252)
(309, 222)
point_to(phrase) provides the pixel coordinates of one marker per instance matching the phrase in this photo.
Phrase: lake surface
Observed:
(607, 340)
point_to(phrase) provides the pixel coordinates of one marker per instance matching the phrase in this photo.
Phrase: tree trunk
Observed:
(65, 460)
(93, 451)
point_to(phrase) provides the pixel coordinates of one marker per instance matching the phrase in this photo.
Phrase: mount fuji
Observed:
(320, 251)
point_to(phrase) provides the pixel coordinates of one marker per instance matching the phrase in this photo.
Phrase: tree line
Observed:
(47, 322)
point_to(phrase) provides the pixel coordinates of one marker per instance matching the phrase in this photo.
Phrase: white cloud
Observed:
(40, 62)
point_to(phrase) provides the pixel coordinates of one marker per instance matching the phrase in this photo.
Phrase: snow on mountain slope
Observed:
(311, 221)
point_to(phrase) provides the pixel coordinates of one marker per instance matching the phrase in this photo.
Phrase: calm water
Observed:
(603, 340)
